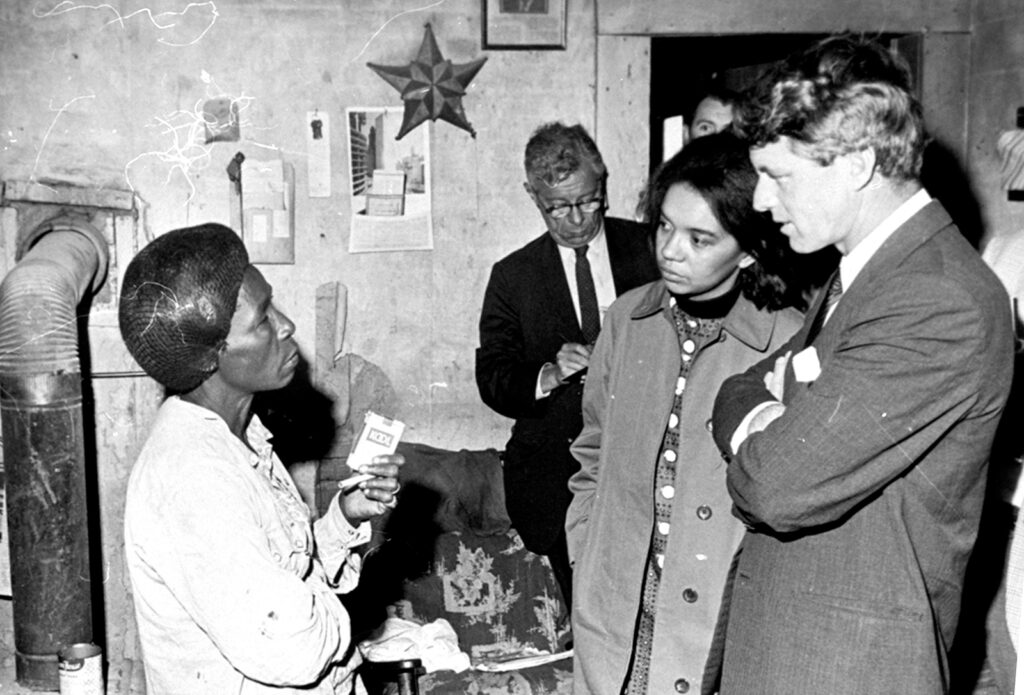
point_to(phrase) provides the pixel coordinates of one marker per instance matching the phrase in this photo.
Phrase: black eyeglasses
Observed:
(586, 206)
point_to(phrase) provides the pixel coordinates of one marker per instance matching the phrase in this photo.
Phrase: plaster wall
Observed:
(105, 99)
(105, 95)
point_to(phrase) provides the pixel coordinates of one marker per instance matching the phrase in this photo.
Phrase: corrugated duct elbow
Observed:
(61, 261)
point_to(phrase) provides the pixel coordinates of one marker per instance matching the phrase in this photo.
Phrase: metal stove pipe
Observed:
(43, 433)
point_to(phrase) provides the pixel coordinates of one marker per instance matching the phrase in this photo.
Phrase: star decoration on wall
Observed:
(431, 86)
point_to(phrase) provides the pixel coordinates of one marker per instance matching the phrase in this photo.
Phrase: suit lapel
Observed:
(617, 253)
(917, 230)
(928, 222)
(557, 289)
(622, 256)
(812, 315)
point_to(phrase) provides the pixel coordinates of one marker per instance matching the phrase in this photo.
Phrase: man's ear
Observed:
(746, 261)
(862, 168)
(529, 191)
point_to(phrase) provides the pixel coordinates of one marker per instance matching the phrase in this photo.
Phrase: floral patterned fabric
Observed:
(503, 602)
(501, 599)
(551, 679)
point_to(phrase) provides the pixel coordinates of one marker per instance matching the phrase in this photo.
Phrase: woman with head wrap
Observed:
(234, 588)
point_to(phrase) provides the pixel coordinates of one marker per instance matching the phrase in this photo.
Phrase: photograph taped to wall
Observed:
(524, 24)
(390, 183)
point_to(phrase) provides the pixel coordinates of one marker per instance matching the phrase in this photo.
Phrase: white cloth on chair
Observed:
(435, 644)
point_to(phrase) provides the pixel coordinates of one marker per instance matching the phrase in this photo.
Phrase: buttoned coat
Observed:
(864, 496)
(627, 402)
(527, 315)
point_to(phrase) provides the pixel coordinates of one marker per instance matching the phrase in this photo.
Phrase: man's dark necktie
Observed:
(590, 317)
(835, 291)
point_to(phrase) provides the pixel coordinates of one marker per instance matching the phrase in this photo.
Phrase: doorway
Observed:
(683, 67)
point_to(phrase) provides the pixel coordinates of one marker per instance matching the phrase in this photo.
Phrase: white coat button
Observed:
(688, 346)
(673, 420)
(682, 685)
(668, 492)
(663, 528)
(670, 455)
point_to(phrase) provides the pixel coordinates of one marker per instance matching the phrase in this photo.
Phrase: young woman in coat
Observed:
(650, 531)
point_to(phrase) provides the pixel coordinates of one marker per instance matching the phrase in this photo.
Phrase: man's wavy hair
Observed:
(844, 94)
(555, 151)
(718, 168)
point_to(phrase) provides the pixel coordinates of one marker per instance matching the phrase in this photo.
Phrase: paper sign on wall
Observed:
(268, 210)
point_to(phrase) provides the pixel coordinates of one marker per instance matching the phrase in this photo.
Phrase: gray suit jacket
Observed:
(863, 499)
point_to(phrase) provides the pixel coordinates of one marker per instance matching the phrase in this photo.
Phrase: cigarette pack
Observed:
(378, 436)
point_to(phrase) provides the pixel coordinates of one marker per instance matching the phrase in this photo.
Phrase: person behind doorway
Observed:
(234, 589)
(858, 450)
(649, 529)
(713, 113)
(541, 315)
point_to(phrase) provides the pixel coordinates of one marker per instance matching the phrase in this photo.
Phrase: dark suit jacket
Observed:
(527, 315)
(864, 497)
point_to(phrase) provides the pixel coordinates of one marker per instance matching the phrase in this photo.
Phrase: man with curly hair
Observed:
(859, 449)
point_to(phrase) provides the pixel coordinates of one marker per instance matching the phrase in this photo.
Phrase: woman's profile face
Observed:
(261, 354)
(697, 258)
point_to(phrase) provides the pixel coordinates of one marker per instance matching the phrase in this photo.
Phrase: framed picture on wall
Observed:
(524, 24)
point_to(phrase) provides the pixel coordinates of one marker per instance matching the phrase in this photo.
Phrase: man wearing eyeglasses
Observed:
(541, 315)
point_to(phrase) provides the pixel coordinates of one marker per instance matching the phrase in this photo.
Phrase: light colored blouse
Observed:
(234, 589)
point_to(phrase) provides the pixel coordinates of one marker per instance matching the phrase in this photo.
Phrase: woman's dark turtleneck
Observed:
(715, 308)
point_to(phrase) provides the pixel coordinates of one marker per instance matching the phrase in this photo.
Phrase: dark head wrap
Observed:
(177, 299)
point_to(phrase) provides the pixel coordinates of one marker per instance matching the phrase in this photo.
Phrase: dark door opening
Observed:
(683, 67)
